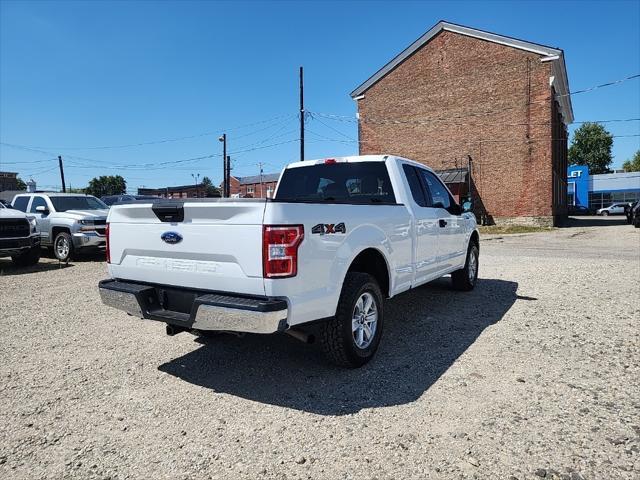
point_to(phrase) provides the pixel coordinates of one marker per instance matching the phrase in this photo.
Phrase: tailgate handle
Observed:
(169, 213)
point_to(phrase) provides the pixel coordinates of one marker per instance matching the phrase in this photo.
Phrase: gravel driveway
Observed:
(534, 374)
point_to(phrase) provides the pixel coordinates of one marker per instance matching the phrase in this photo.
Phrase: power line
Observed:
(608, 84)
(176, 139)
(476, 114)
(443, 120)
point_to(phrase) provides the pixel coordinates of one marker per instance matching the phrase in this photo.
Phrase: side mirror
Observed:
(467, 206)
(43, 210)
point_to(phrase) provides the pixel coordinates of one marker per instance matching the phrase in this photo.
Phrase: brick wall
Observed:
(255, 190)
(477, 98)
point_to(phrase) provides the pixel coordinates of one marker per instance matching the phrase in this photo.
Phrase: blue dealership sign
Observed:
(578, 185)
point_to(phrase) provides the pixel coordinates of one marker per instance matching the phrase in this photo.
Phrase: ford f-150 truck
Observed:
(339, 236)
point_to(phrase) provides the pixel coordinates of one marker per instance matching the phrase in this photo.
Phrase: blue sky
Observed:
(92, 74)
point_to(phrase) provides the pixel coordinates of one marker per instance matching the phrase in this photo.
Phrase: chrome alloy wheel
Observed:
(364, 320)
(473, 266)
(62, 247)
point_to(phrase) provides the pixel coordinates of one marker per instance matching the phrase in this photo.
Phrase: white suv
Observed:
(615, 209)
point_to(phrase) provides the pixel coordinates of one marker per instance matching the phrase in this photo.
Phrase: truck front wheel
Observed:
(351, 338)
(466, 278)
(63, 247)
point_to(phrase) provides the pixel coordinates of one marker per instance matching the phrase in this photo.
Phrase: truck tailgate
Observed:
(216, 245)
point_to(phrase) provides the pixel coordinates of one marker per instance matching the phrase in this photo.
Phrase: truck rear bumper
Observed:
(196, 310)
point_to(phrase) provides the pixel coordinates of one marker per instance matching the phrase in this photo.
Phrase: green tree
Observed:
(20, 185)
(209, 189)
(591, 146)
(106, 185)
(633, 164)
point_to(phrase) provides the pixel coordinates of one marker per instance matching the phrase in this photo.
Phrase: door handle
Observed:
(443, 223)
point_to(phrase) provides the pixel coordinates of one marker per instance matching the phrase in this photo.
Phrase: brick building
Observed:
(256, 186)
(8, 181)
(180, 191)
(458, 92)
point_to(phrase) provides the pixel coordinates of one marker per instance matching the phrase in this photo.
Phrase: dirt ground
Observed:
(535, 374)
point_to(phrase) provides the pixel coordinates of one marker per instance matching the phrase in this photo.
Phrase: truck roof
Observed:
(55, 194)
(356, 158)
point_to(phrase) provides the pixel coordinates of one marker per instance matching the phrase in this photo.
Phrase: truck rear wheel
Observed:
(466, 278)
(351, 338)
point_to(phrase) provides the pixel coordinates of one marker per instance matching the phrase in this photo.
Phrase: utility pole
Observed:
(223, 139)
(261, 192)
(196, 177)
(301, 114)
(228, 172)
(64, 188)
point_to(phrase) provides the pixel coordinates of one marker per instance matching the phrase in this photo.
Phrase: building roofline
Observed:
(559, 67)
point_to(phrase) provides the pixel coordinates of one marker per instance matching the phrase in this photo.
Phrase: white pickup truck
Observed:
(339, 236)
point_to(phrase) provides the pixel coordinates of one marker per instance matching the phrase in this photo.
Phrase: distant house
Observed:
(8, 181)
(255, 186)
(458, 92)
(180, 191)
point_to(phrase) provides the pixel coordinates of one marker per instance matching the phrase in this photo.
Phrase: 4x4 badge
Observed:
(328, 228)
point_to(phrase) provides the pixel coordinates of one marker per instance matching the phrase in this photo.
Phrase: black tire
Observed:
(605, 214)
(465, 279)
(27, 259)
(61, 253)
(337, 334)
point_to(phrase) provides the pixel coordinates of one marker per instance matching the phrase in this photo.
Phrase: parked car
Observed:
(5, 204)
(614, 209)
(18, 237)
(70, 223)
(112, 199)
(339, 236)
(635, 214)
(628, 210)
(579, 210)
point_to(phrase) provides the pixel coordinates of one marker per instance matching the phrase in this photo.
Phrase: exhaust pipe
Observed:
(174, 330)
(304, 337)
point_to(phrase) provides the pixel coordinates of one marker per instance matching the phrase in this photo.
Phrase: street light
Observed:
(225, 170)
(196, 177)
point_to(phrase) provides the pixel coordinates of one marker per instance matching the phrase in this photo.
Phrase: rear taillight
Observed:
(107, 235)
(280, 250)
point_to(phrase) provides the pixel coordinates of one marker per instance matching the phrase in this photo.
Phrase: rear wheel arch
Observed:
(372, 261)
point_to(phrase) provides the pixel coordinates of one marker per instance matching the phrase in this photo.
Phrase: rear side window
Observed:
(357, 182)
(20, 203)
(37, 202)
(414, 184)
(439, 194)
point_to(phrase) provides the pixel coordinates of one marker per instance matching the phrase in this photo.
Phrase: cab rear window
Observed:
(353, 183)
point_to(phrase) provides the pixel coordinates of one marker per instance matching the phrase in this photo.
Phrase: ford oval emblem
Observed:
(171, 237)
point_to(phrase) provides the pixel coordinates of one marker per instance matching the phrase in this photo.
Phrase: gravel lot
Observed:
(534, 374)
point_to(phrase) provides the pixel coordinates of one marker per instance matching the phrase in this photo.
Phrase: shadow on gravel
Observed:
(594, 221)
(7, 267)
(426, 330)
